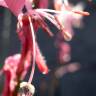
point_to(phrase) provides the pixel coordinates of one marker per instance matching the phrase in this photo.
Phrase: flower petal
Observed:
(15, 5)
(43, 4)
(2, 3)
(40, 61)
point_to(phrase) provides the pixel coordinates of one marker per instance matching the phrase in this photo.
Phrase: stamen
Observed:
(49, 17)
(34, 50)
(64, 12)
(67, 35)
(81, 13)
(49, 10)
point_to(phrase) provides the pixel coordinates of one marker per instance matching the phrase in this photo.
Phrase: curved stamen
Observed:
(49, 10)
(49, 17)
(34, 51)
(64, 12)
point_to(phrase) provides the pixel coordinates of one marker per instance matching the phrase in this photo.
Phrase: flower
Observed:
(72, 18)
(10, 69)
(30, 15)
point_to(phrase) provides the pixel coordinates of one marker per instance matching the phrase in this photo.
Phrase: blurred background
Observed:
(74, 74)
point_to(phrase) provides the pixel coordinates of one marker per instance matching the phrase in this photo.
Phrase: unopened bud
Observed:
(26, 89)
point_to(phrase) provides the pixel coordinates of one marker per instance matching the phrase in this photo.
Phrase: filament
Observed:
(49, 10)
(49, 17)
(63, 12)
(34, 51)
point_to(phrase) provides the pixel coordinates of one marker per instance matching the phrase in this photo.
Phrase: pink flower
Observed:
(28, 23)
(27, 43)
(26, 40)
(10, 69)
(72, 17)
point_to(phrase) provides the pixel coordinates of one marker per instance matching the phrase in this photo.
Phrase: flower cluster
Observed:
(31, 15)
